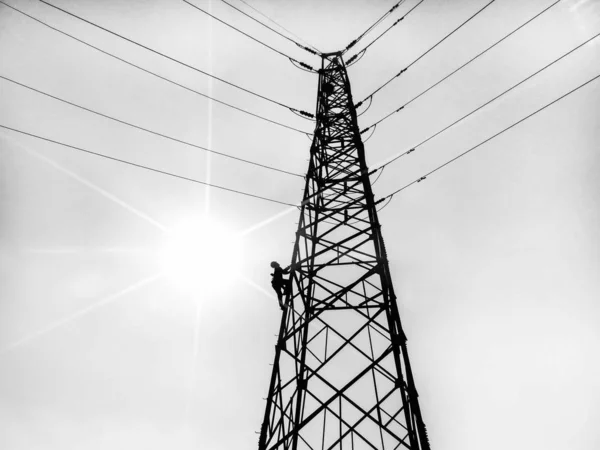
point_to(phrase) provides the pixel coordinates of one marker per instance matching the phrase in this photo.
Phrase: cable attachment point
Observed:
(302, 65)
(401, 72)
(309, 50)
(351, 60)
(370, 99)
(356, 57)
(421, 179)
(398, 21)
(351, 44)
(303, 114)
(372, 127)
(359, 104)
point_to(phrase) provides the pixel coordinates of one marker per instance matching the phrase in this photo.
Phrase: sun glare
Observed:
(202, 256)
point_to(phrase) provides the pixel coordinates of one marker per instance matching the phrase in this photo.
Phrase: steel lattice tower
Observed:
(341, 377)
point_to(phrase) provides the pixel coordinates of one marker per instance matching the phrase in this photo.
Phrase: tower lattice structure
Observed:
(341, 377)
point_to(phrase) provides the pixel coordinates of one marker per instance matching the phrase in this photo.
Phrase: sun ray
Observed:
(196, 337)
(89, 184)
(209, 118)
(194, 371)
(577, 5)
(81, 250)
(82, 312)
(207, 189)
(267, 221)
(257, 287)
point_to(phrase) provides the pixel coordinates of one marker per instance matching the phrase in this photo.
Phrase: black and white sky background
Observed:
(495, 258)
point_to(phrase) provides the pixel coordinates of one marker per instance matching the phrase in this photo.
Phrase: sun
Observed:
(202, 256)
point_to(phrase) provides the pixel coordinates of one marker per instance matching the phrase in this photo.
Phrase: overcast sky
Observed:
(495, 258)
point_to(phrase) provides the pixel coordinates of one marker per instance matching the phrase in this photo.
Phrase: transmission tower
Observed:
(341, 377)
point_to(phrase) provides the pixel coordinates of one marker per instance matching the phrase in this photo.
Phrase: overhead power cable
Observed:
(309, 50)
(462, 66)
(429, 50)
(180, 141)
(422, 178)
(140, 166)
(152, 73)
(387, 29)
(368, 30)
(145, 47)
(249, 36)
(564, 55)
(308, 44)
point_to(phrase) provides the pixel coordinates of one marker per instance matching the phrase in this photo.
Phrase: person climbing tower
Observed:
(279, 283)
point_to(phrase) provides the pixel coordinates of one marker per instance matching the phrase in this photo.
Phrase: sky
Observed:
(495, 258)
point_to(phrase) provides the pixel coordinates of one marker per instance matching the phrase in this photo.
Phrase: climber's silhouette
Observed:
(279, 283)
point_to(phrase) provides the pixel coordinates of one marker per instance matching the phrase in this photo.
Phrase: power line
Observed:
(148, 130)
(282, 27)
(247, 35)
(464, 65)
(152, 73)
(489, 139)
(145, 47)
(564, 55)
(368, 30)
(426, 52)
(382, 34)
(273, 30)
(146, 167)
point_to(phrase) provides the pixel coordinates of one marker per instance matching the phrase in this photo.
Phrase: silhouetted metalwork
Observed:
(341, 377)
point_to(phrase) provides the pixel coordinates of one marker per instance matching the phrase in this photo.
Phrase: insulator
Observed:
(351, 44)
(306, 66)
(358, 105)
(352, 59)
